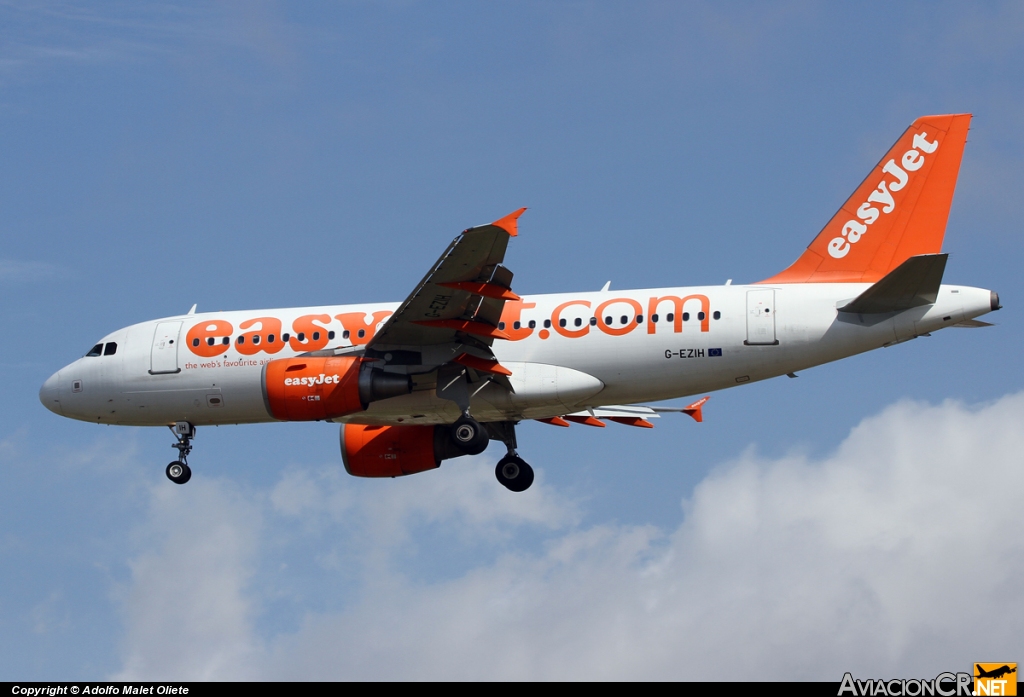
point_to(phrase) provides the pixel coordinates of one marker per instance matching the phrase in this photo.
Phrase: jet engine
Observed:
(317, 389)
(394, 451)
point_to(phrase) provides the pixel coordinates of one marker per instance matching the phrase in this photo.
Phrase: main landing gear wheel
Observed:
(513, 473)
(178, 472)
(469, 435)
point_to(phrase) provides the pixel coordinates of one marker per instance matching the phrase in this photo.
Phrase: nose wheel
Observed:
(178, 471)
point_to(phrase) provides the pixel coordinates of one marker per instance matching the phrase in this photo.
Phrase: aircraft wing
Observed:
(461, 298)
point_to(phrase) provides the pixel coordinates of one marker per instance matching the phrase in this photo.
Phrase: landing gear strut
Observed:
(511, 470)
(178, 471)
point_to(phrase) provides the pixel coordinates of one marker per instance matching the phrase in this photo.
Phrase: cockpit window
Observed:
(96, 350)
(110, 349)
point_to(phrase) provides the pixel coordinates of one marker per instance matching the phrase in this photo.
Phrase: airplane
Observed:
(464, 359)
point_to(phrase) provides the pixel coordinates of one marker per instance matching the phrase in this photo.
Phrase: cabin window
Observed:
(226, 340)
(701, 316)
(577, 321)
(593, 321)
(270, 338)
(623, 319)
(301, 337)
(316, 336)
(209, 342)
(96, 350)
(330, 335)
(241, 340)
(255, 339)
(608, 320)
(654, 318)
(361, 333)
(517, 324)
(717, 315)
(285, 336)
(195, 342)
(501, 325)
(686, 316)
(532, 324)
(670, 317)
(344, 334)
(547, 324)
(561, 322)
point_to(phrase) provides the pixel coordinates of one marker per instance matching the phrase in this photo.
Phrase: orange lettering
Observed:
(626, 328)
(569, 333)
(359, 331)
(304, 325)
(677, 305)
(512, 313)
(206, 339)
(270, 327)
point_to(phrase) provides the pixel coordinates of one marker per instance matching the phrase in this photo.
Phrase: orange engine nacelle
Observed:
(316, 389)
(394, 451)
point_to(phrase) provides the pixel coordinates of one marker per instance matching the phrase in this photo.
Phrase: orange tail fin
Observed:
(899, 211)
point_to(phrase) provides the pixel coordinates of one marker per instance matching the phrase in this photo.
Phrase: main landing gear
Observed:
(178, 471)
(471, 438)
(513, 473)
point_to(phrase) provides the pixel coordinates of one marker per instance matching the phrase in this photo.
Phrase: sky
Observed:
(252, 155)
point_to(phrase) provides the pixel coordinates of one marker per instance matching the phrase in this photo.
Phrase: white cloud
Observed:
(188, 613)
(896, 555)
(12, 271)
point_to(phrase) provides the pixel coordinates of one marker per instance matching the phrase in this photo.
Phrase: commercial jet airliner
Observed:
(464, 358)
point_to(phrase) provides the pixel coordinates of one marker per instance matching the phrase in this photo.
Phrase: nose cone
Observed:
(49, 394)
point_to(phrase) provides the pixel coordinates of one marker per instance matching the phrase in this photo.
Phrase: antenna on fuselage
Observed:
(607, 285)
(193, 310)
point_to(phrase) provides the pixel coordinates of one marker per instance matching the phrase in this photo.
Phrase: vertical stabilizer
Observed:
(899, 211)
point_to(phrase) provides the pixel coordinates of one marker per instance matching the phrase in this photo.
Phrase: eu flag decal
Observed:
(714, 352)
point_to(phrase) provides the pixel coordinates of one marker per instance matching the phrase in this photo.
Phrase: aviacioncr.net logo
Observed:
(943, 685)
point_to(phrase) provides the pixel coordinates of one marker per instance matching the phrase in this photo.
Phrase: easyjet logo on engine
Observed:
(320, 379)
(868, 214)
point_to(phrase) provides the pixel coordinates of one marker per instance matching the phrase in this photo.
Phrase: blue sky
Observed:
(245, 155)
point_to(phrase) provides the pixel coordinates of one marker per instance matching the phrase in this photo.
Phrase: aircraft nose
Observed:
(49, 393)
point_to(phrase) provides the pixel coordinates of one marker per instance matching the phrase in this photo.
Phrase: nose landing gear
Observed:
(178, 471)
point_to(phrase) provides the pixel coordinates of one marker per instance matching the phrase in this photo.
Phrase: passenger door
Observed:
(164, 355)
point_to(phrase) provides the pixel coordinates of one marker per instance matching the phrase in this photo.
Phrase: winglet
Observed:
(694, 409)
(510, 223)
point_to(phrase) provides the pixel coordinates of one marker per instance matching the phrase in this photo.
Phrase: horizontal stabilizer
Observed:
(913, 283)
(973, 324)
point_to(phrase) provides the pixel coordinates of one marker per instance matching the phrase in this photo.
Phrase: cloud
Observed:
(188, 596)
(12, 271)
(895, 555)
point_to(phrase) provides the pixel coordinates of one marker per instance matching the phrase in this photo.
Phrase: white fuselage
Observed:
(158, 375)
